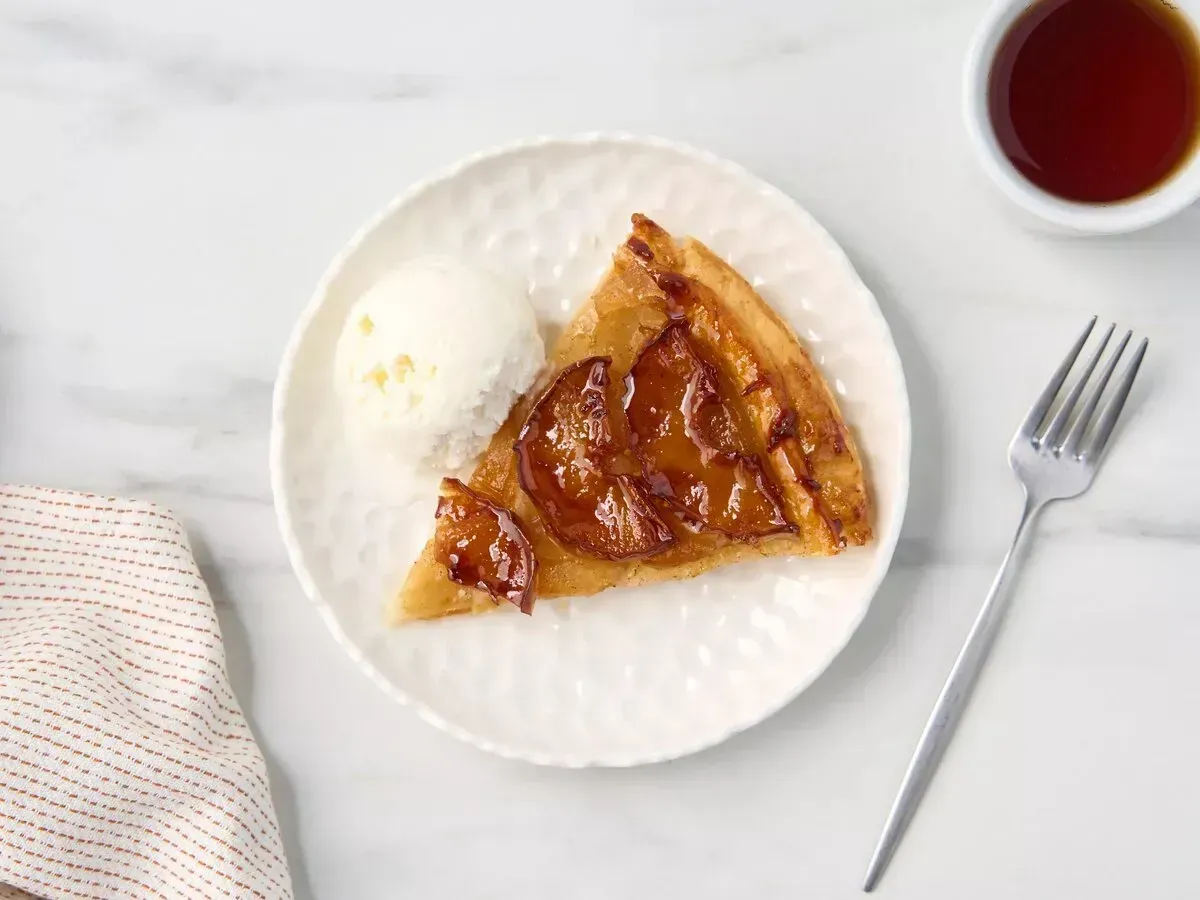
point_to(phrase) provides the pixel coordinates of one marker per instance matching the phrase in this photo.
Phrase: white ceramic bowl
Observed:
(633, 675)
(1172, 196)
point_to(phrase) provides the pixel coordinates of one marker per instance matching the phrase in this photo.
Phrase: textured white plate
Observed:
(631, 676)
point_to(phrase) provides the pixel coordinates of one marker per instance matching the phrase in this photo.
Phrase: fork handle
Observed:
(949, 706)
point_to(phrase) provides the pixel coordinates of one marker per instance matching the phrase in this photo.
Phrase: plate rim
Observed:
(885, 552)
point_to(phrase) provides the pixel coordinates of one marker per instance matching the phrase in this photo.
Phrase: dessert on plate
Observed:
(681, 427)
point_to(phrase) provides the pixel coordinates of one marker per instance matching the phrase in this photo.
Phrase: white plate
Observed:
(634, 675)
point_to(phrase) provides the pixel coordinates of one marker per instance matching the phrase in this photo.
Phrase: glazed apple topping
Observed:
(579, 476)
(692, 450)
(483, 545)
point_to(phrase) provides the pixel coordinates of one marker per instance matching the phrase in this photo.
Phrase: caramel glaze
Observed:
(484, 546)
(689, 437)
(579, 476)
(692, 448)
(790, 439)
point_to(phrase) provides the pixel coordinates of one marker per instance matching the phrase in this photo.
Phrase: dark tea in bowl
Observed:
(1086, 113)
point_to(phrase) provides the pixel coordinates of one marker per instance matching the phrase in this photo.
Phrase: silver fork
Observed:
(1050, 467)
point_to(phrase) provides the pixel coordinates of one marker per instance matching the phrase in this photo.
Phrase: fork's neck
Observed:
(993, 607)
(1032, 507)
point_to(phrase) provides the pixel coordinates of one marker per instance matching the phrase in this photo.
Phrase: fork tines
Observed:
(1074, 443)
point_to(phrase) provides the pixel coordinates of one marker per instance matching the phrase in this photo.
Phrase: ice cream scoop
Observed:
(433, 356)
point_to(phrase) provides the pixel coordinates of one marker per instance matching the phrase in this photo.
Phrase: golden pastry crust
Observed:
(803, 439)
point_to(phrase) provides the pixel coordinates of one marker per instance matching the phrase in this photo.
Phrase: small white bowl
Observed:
(1173, 195)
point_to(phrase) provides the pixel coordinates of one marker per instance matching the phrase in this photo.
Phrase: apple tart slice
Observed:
(683, 427)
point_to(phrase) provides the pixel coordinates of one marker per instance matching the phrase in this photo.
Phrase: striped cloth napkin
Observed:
(126, 766)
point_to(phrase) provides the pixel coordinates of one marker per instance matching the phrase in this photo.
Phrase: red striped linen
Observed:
(126, 766)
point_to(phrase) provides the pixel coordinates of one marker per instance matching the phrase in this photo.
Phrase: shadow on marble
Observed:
(240, 669)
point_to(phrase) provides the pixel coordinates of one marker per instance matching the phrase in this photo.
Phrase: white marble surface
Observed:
(175, 177)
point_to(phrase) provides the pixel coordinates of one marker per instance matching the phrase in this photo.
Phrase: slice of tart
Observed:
(682, 427)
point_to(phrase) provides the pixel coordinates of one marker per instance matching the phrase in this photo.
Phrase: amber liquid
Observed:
(1097, 101)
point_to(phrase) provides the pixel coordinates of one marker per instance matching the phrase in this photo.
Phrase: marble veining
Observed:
(188, 74)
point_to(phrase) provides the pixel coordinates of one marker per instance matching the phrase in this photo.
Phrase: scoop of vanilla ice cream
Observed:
(432, 358)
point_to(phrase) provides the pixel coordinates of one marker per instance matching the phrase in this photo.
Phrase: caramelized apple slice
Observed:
(570, 465)
(690, 447)
(482, 545)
